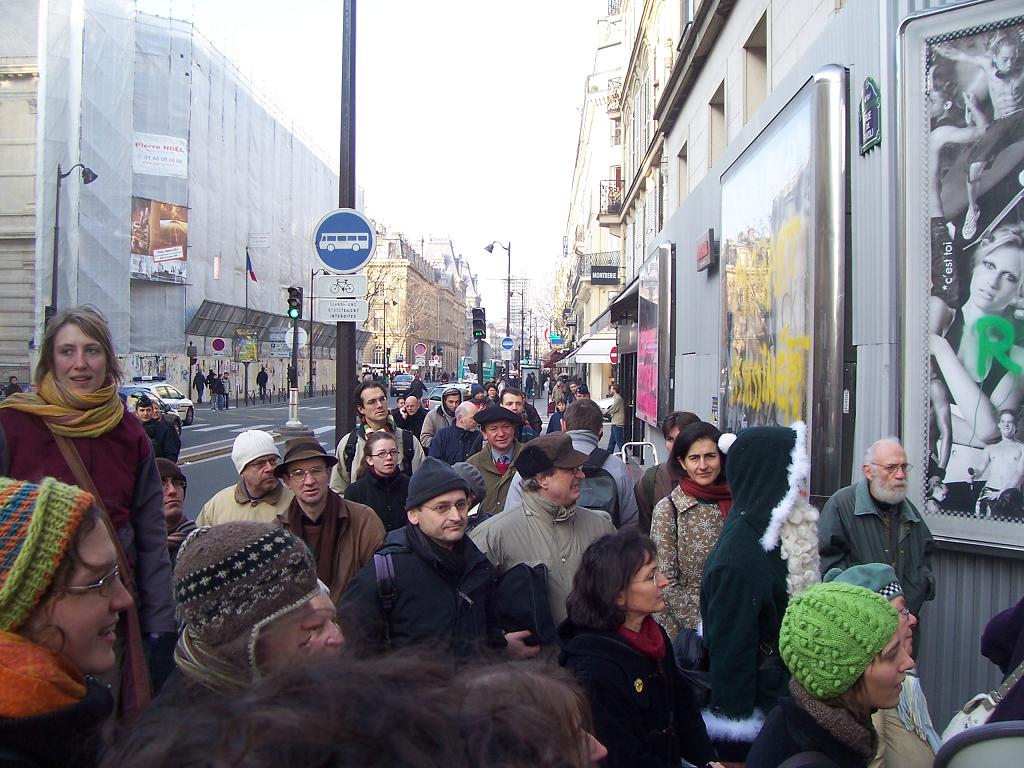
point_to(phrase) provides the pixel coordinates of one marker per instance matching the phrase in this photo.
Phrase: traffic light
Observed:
(479, 324)
(295, 303)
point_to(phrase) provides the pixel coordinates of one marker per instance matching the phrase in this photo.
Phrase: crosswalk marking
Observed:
(316, 407)
(215, 426)
(254, 426)
(321, 430)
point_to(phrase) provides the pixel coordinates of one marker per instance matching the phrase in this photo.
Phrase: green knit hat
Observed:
(37, 523)
(831, 633)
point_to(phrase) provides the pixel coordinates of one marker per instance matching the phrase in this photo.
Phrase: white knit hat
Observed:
(250, 445)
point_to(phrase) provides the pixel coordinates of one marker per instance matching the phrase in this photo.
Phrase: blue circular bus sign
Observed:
(344, 240)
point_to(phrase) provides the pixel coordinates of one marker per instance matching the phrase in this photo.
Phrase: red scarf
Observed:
(718, 492)
(650, 641)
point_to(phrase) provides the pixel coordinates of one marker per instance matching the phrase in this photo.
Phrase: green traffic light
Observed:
(293, 313)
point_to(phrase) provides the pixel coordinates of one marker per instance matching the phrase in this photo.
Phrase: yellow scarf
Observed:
(71, 414)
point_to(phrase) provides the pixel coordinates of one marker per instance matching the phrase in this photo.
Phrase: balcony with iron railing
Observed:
(585, 261)
(611, 197)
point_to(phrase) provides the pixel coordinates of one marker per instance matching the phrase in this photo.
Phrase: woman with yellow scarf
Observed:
(76, 417)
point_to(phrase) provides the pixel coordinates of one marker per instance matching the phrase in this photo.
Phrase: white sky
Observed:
(467, 111)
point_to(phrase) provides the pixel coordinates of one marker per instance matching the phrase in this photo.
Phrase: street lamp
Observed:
(508, 280)
(88, 177)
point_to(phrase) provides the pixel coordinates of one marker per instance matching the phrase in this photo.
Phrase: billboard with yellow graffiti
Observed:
(767, 223)
(964, 139)
(783, 268)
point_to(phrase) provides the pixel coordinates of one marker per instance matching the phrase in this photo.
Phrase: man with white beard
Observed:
(871, 521)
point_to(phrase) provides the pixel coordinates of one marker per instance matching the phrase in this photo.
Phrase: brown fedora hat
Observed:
(299, 448)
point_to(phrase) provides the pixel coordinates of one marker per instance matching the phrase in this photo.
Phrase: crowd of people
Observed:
(458, 587)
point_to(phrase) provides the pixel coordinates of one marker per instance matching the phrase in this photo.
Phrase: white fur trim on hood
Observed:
(725, 729)
(799, 471)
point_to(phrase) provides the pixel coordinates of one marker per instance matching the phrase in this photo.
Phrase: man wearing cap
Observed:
(178, 526)
(166, 444)
(441, 417)
(371, 403)
(547, 527)
(583, 423)
(582, 392)
(258, 494)
(906, 736)
(498, 426)
(461, 440)
(341, 534)
(429, 584)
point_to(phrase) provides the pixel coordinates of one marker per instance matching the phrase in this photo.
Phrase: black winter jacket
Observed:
(412, 423)
(445, 601)
(644, 713)
(454, 444)
(166, 443)
(789, 730)
(66, 738)
(384, 495)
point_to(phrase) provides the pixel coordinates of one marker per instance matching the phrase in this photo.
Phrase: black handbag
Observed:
(522, 596)
(693, 664)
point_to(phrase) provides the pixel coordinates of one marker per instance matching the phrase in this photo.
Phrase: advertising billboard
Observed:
(647, 358)
(159, 240)
(963, 195)
(160, 155)
(782, 263)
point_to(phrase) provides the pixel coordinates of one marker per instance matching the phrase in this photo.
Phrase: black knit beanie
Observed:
(433, 478)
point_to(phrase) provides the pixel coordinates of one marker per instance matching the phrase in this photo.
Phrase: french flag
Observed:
(248, 267)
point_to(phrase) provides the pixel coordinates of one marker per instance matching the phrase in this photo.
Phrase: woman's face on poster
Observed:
(995, 282)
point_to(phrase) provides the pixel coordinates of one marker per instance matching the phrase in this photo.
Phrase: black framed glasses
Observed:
(104, 586)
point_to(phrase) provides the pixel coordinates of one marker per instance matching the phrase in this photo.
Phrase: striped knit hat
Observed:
(234, 579)
(37, 523)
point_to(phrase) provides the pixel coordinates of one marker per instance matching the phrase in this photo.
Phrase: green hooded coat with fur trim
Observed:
(743, 593)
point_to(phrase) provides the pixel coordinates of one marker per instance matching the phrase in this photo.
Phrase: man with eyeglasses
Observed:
(461, 440)
(341, 534)
(429, 584)
(547, 527)
(371, 403)
(178, 526)
(872, 521)
(258, 495)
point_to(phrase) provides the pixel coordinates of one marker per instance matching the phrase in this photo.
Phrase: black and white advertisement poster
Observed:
(963, 163)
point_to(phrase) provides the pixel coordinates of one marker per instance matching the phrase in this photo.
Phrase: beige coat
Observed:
(233, 504)
(541, 532)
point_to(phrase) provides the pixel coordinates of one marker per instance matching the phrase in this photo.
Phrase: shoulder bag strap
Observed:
(1012, 679)
(135, 691)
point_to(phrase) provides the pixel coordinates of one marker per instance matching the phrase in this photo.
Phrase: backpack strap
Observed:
(409, 453)
(597, 458)
(387, 589)
(350, 450)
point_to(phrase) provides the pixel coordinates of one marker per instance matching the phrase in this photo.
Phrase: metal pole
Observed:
(508, 297)
(480, 362)
(522, 329)
(52, 309)
(345, 346)
(310, 340)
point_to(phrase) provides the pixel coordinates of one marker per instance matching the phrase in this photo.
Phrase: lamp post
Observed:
(88, 177)
(508, 284)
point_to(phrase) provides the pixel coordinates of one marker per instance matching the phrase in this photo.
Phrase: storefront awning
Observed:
(597, 351)
(554, 356)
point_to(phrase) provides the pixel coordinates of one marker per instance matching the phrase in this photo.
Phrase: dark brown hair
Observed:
(677, 420)
(94, 325)
(357, 396)
(584, 413)
(524, 715)
(512, 391)
(607, 568)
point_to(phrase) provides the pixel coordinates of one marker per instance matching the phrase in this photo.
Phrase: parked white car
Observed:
(169, 394)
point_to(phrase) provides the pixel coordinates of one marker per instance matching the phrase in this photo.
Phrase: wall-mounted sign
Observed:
(160, 155)
(604, 275)
(870, 113)
(707, 250)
